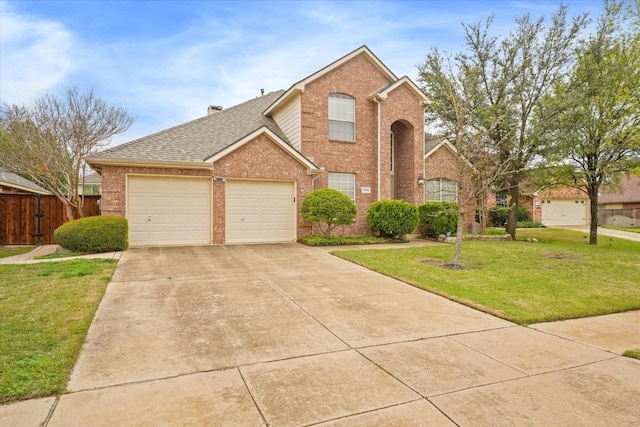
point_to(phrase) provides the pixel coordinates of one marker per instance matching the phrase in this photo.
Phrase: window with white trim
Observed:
(342, 117)
(343, 182)
(442, 190)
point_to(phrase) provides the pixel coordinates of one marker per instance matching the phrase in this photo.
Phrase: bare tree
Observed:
(48, 142)
(453, 88)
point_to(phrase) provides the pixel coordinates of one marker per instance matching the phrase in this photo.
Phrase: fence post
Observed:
(39, 216)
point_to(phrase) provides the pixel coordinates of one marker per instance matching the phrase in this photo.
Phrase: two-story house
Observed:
(239, 174)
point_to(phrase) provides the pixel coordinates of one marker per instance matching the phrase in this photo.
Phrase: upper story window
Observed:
(342, 117)
(442, 190)
(343, 182)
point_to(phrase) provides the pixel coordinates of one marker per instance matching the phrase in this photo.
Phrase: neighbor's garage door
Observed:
(168, 210)
(259, 211)
(564, 212)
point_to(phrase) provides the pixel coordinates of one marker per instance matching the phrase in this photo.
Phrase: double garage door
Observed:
(564, 212)
(177, 211)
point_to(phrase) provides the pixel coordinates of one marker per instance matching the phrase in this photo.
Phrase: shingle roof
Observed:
(15, 181)
(629, 191)
(200, 139)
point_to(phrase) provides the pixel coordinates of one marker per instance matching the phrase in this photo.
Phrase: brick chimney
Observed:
(213, 109)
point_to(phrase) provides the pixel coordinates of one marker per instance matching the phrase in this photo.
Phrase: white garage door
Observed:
(259, 211)
(168, 210)
(564, 212)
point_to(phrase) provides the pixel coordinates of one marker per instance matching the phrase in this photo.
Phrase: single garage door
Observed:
(168, 210)
(259, 211)
(564, 212)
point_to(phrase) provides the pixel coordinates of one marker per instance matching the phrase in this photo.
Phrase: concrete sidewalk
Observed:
(286, 335)
(44, 250)
(619, 234)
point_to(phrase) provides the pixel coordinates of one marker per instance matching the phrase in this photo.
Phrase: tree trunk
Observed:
(457, 255)
(593, 223)
(513, 209)
(70, 211)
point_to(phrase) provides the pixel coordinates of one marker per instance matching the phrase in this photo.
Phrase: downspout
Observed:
(377, 101)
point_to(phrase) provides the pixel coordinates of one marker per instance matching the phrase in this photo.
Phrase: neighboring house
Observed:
(561, 206)
(627, 196)
(620, 206)
(239, 175)
(10, 183)
(91, 184)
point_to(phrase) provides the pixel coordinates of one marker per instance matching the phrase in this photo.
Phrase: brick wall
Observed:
(443, 163)
(258, 159)
(359, 79)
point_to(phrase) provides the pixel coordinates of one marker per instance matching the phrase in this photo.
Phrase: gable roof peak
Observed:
(298, 87)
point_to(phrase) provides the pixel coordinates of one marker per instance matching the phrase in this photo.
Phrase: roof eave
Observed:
(406, 81)
(97, 163)
(22, 188)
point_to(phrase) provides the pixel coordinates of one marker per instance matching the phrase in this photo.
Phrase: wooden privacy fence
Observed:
(29, 219)
(619, 217)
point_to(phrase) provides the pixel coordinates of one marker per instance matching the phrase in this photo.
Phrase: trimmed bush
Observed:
(499, 215)
(392, 218)
(328, 208)
(93, 234)
(438, 218)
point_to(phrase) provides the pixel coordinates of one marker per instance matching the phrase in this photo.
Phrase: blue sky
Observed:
(166, 61)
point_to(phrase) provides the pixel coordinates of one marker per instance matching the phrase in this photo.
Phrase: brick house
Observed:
(239, 175)
(442, 174)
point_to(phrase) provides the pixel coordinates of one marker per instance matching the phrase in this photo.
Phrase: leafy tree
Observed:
(328, 208)
(48, 142)
(515, 72)
(591, 122)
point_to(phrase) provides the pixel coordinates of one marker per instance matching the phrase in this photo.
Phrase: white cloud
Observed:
(36, 55)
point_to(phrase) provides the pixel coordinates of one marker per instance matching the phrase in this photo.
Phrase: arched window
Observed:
(342, 117)
(442, 190)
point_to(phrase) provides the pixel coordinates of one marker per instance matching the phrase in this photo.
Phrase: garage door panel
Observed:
(564, 212)
(259, 211)
(169, 210)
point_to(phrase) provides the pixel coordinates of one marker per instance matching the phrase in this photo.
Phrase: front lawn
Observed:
(560, 277)
(15, 250)
(45, 312)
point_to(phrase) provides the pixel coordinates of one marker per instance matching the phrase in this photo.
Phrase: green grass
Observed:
(560, 277)
(61, 255)
(634, 353)
(7, 252)
(630, 229)
(45, 312)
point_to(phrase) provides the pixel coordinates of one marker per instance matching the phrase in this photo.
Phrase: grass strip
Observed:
(45, 313)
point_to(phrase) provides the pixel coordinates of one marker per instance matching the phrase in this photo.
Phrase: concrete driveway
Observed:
(286, 335)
